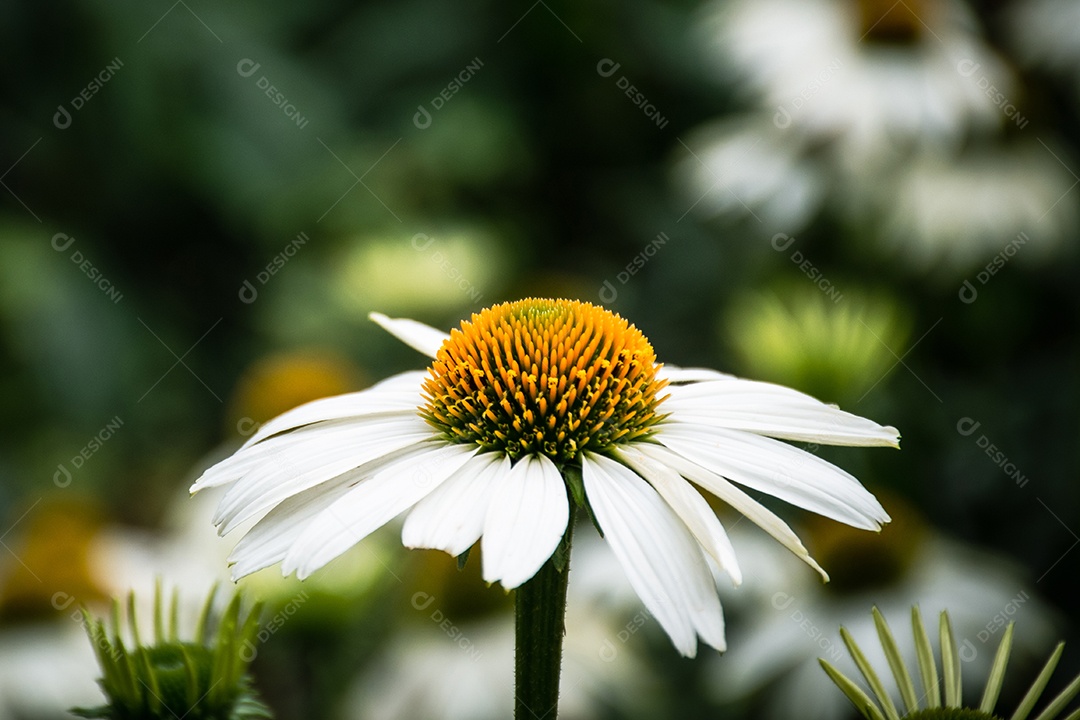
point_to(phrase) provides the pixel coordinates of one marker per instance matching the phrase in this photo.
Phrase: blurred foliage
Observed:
(226, 247)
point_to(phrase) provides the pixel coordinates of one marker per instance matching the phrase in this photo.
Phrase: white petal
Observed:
(776, 468)
(526, 520)
(420, 337)
(775, 411)
(374, 502)
(269, 540)
(323, 458)
(679, 375)
(296, 443)
(736, 498)
(688, 505)
(660, 557)
(398, 393)
(452, 517)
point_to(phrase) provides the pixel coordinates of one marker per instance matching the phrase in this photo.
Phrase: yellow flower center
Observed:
(539, 376)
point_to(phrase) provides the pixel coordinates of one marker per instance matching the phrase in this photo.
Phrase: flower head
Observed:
(203, 679)
(527, 407)
(544, 377)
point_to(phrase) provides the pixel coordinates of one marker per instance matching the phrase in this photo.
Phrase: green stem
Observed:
(539, 611)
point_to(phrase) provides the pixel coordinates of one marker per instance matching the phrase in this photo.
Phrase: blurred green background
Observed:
(873, 202)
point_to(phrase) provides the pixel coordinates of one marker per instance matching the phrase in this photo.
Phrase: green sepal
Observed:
(576, 486)
(572, 476)
(463, 558)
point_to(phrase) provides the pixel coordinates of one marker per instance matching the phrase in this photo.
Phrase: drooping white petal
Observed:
(688, 505)
(452, 517)
(399, 393)
(525, 521)
(269, 540)
(776, 468)
(680, 375)
(736, 498)
(374, 502)
(775, 411)
(661, 559)
(296, 443)
(420, 337)
(321, 459)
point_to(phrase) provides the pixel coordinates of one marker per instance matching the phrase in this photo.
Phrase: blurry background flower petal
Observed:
(873, 76)
(746, 167)
(950, 214)
(1043, 34)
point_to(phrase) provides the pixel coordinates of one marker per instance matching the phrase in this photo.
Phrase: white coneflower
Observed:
(528, 407)
(842, 94)
(872, 76)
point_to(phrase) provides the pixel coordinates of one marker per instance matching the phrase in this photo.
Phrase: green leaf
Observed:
(159, 623)
(854, 693)
(202, 627)
(896, 662)
(174, 623)
(997, 672)
(925, 655)
(1037, 687)
(950, 662)
(872, 678)
(1058, 703)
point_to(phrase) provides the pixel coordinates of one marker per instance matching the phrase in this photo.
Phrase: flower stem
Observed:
(539, 611)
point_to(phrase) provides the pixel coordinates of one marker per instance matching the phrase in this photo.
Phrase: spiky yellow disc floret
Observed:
(541, 376)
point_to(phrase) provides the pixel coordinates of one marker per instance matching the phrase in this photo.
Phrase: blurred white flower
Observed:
(870, 77)
(46, 668)
(893, 118)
